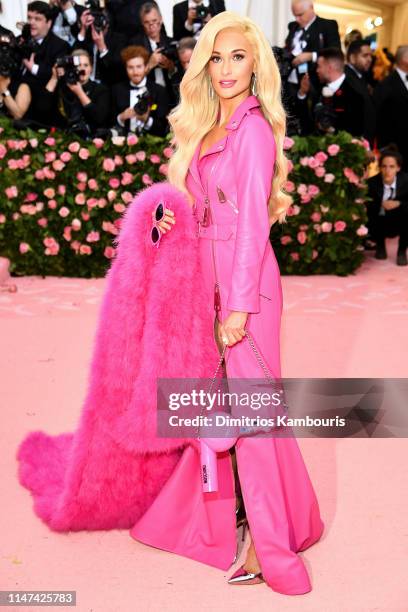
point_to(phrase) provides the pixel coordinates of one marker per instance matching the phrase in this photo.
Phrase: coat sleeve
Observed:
(254, 151)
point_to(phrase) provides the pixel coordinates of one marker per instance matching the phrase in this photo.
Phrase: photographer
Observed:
(161, 48)
(190, 16)
(184, 52)
(103, 45)
(77, 104)
(140, 106)
(39, 46)
(65, 16)
(15, 97)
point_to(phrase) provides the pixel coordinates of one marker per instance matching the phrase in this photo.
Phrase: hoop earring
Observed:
(254, 88)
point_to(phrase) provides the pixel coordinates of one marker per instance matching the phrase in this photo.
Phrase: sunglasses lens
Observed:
(159, 212)
(155, 235)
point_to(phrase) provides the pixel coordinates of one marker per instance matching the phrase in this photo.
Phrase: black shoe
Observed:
(402, 258)
(380, 252)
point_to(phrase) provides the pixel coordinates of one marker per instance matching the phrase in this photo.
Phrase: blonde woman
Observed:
(228, 130)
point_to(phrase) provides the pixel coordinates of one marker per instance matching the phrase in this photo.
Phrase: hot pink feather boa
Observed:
(152, 323)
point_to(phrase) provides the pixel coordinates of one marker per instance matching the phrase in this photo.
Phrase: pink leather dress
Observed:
(232, 180)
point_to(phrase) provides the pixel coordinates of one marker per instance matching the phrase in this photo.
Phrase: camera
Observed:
(9, 61)
(170, 51)
(325, 118)
(143, 103)
(284, 60)
(97, 11)
(201, 13)
(70, 65)
(26, 44)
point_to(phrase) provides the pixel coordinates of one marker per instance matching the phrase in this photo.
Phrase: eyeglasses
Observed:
(155, 233)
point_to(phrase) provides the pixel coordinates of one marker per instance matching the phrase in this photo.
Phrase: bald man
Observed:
(308, 35)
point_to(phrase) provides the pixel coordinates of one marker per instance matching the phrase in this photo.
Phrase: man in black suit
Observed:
(37, 69)
(104, 47)
(340, 106)
(186, 16)
(391, 100)
(160, 66)
(127, 95)
(308, 35)
(388, 210)
(65, 18)
(359, 60)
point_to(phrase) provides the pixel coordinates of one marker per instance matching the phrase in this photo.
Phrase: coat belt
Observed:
(217, 231)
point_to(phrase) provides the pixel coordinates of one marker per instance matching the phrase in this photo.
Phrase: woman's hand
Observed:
(233, 328)
(167, 222)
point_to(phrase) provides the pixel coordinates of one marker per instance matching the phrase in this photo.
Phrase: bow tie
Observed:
(137, 87)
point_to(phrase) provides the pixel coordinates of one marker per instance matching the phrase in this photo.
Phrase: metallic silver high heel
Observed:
(241, 576)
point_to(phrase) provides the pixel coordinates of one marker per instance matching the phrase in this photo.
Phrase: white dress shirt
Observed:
(388, 194)
(158, 72)
(63, 30)
(195, 28)
(297, 48)
(404, 76)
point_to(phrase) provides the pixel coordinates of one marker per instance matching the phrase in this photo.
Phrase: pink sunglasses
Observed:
(155, 233)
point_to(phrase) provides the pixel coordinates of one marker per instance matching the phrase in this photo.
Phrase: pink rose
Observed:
(326, 226)
(76, 224)
(324, 209)
(127, 178)
(67, 233)
(163, 169)
(102, 202)
(132, 139)
(50, 156)
(290, 186)
(83, 153)
(50, 142)
(289, 165)
(141, 155)
(49, 174)
(109, 252)
(58, 165)
(302, 237)
(2, 218)
(75, 244)
(3, 151)
(15, 216)
(107, 226)
(11, 192)
(43, 222)
(362, 231)
(49, 193)
(62, 189)
(351, 176)
(31, 197)
(155, 159)
(81, 186)
(98, 142)
(119, 207)
(80, 199)
(285, 239)
(295, 209)
(288, 143)
(92, 184)
(65, 157)
(316, 216)
(304, 161)
(74, 147)
(52, 204)
(12, 164)
(321, 157)
(114, 183)
(112, 195)
(92, 203)
(302, 189)
(333, 149)
(39, 175)
(168, 152)
(320, 171)
(339, 226)
(146, 180)
(329, 178)
(33, 142)
(39, 206)
(85, 216)
(305, 199)
(24, 247)
(314, 254)
(63, 211)
(313, 190)
(108, 165)
(313, 163)
(93, 237)
(127, 197)
(295, 256)
(118, 160)
(131, 159)
(85, 249)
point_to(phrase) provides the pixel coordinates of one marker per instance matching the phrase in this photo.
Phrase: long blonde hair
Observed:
(196, 112)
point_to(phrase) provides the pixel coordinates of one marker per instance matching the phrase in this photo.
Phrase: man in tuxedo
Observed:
(37, 69)
(160, 66)
(127, 95)
(340, 106)
(308, 35)
(391, 101)
(186, 21)
(388, 209)
(104, 47)
(65, 18)
(359, 60)
(184, 52)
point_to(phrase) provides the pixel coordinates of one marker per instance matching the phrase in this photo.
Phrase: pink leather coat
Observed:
(233, 180)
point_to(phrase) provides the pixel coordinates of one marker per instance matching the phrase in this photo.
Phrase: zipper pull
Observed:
(206, 218)
(217, 298)
(221, 196)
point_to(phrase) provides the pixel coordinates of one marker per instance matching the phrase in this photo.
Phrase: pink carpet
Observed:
(353, 326)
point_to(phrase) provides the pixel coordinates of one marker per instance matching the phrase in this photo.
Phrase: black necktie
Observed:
(136, 87)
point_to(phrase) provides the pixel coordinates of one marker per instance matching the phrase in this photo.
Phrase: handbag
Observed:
(209, 447)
